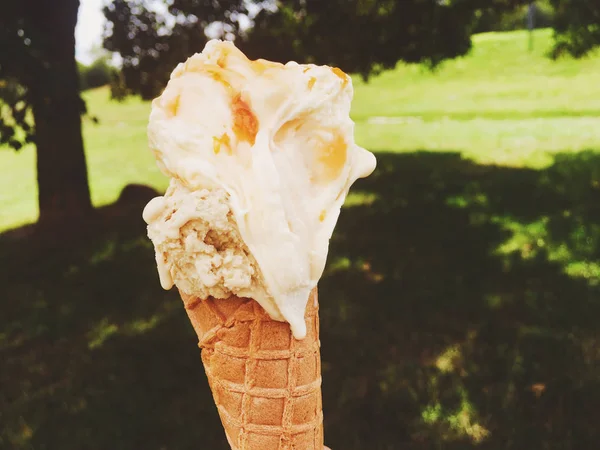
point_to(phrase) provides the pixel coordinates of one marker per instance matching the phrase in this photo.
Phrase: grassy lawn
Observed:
(500, 79)
(500, 104)
(459, 307)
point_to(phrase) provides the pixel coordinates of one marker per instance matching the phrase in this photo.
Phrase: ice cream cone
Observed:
(261, 157)
(266, 384)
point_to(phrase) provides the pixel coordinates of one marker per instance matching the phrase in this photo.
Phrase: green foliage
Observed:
(14, 120)
(492, 19)
(17, 59)
(151, 44)
(577, 27)
(27, 68)
(97, 74)
(361, 36)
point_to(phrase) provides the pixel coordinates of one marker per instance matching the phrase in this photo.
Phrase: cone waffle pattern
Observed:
(266, 384)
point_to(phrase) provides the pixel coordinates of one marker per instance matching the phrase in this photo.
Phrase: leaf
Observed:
(15, 144)
(6, 133)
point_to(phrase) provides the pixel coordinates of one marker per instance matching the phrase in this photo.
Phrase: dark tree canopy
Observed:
(492, 19)
(151, 44)
(576, 26)
(362, 36)
(98, 73)
(365, 36)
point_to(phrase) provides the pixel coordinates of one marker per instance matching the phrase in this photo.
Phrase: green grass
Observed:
(119, 137)
(116, 153)
(500, 104)
(459, 307)
(500, 78)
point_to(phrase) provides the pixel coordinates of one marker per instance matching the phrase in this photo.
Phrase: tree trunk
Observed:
(63, 190)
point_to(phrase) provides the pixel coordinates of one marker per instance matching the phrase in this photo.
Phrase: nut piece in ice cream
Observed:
(198, 245)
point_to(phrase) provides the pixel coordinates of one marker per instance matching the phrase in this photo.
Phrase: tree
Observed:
(366, 36)
(40, 102)
(363, 36)
(576, 27)
(151, 43)
(490, 19)
(98, 73)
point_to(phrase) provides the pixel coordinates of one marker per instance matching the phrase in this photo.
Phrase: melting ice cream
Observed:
(261, 157)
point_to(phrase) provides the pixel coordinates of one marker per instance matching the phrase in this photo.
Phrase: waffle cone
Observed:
(266, 384)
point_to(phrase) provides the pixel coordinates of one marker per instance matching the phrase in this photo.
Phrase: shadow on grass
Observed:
(459, 310)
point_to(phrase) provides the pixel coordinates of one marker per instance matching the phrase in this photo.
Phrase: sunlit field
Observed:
(500, 104)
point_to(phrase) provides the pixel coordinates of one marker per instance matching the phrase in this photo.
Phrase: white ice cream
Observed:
(278, 139)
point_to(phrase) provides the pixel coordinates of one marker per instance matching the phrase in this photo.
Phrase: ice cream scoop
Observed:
(278, 142)
(198, 245)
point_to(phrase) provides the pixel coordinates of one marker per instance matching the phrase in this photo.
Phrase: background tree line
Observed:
(98, 73)
(490, 19)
